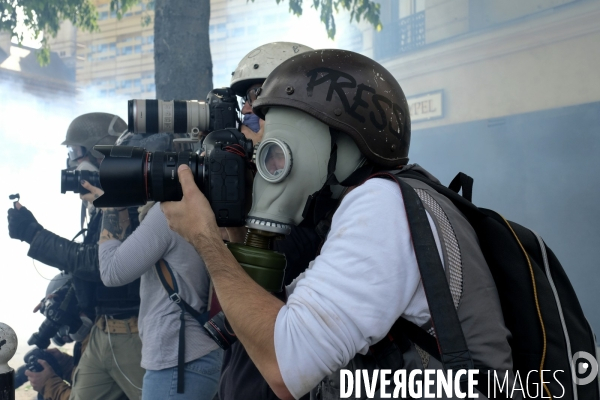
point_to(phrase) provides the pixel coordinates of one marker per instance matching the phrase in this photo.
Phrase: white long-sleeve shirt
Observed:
(365, 278)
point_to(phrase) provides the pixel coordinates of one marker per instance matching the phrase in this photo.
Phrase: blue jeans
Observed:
(201, 378)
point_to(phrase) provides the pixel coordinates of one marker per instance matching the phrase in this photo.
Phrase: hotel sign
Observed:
(424, 107)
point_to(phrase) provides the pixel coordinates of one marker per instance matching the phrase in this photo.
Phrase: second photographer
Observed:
(168, 319)
(110, 366)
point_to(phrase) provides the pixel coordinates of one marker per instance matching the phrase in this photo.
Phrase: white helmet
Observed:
(260, 62)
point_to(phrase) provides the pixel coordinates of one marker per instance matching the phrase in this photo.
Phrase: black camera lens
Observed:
(131, 176)
(41, 339)
(70, 181)
(220, 331)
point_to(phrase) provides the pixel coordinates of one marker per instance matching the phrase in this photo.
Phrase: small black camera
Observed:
(34, 355)
(60, 309)
(132, 176)
(70, 181)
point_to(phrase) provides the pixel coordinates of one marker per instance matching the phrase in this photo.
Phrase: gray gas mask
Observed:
(298, 158)
(293, 163)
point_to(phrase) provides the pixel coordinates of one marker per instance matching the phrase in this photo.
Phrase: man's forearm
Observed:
(250, 309)
(56, 389)
(79, 259)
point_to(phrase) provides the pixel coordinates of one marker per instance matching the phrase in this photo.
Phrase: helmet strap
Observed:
(111, 130)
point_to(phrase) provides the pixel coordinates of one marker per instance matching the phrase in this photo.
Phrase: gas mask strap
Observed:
(320, 203)
(331, 178)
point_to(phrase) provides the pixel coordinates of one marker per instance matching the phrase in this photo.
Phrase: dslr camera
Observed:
(132, 176)
(61, 310)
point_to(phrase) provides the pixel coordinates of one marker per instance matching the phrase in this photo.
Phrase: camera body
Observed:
(219, 111)
(34, 355)
(132, 176)
(60, 309)
(70, 180)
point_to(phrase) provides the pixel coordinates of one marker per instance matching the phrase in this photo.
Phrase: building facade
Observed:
(21, 71)
(508, 92)
(118, 60)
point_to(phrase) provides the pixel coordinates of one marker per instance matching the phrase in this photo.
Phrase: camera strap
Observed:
(167, 278)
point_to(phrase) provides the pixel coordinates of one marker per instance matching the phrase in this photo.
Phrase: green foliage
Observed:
(366, 9)
(46, 16)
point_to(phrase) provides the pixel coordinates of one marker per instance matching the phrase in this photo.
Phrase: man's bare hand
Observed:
(38, 379)
(192, 217)
(94, 193)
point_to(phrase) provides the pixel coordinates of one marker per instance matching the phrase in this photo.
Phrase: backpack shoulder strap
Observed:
(165, 274)
(453, 350)
(167, 278)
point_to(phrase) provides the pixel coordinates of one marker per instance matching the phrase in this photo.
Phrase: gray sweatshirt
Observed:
(121, 263)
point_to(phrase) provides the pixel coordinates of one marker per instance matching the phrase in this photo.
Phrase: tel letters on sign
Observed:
(426, 106)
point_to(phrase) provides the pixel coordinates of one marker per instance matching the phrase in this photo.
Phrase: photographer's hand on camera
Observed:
(22, 224)
(250, 309)
(94, 192)
(38, 380)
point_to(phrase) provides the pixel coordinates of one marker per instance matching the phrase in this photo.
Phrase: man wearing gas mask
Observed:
(332, 119)
(110, 367)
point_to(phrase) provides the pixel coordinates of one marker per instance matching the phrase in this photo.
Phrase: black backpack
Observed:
(539, 304)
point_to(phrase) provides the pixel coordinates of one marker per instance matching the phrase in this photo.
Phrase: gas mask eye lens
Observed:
(273, 160)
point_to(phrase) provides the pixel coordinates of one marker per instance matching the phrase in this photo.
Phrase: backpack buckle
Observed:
(175, 298)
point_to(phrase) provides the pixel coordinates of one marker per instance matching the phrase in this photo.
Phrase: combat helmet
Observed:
(91, 129)
(260, 62)
(350, 93)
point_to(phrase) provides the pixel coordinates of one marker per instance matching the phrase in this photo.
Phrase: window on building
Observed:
(126, 50)
(238, 32)
(405, 28)
(409, 7)
(137, 48)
